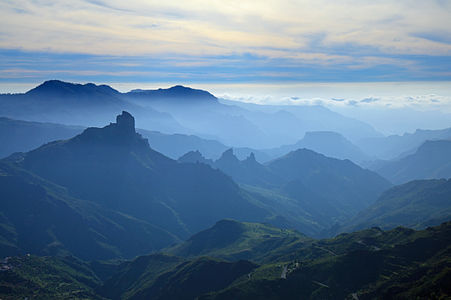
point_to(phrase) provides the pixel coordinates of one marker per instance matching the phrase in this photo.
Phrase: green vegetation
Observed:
(35, 277)
(397, 264)
(232, 240)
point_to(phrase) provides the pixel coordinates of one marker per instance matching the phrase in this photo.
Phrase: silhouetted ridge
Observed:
(61, 88)
(177, 92)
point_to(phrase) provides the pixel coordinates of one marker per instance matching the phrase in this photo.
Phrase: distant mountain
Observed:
(233, 240)
(431, 160)
(331, 144)
(82, 104)
(395, 146)
(416, 204)
(22, 136)
(175, 145)
(180, 110)
(326, 185)
(312, 118)
(310, 191)
(195, 157)
(115, 167)
(179, 94)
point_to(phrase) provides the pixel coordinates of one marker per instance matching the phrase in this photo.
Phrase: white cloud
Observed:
(276, 28)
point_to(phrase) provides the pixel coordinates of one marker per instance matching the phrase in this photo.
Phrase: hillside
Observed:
(416, 266)
(39, 217)
(232, 240)
(397, 264)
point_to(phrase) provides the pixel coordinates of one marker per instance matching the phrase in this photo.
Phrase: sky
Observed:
(360, 49)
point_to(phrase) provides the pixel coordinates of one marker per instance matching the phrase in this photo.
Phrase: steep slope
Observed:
(39, 217)
(432, 160)
(416, 204)
(160, 279)
(115, 167)
(233, 240)
(22, 136)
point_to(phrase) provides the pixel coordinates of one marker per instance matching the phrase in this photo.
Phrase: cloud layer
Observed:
(242, 40)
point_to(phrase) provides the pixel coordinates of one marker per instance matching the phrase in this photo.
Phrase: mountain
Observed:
(232, 240)
(22, 136)
(328, 187)
(431, 160)
(115, 167)
(306, 190)
(397, 264)
(179, 110)
(179, 94)
(331, 144)
(39, 217)
(395, 146)
(82, 104)
(195, 157)
(311, 118)
(416, 204)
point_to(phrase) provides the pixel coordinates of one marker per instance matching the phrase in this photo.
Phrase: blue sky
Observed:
(359, 57)
(246, 41)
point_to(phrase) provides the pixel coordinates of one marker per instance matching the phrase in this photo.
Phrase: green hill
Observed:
(415, 267)
(232, 240)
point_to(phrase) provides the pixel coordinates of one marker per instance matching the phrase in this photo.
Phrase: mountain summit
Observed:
(114, 166)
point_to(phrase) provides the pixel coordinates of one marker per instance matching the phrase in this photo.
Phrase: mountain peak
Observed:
(125, 121)
(228, 155)
(121, 133)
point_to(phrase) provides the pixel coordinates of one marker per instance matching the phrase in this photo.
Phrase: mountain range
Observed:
(401, 263)
(321, 189)
(176, 110)
(186, 208)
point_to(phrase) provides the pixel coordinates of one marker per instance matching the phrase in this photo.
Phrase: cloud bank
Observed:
(231, 40)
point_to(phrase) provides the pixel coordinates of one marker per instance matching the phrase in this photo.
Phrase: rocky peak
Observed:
(125, 122)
